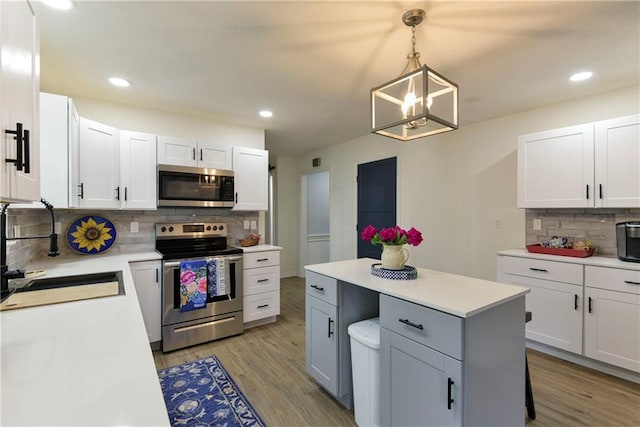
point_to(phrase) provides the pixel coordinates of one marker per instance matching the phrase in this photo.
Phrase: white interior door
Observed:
(315, 222)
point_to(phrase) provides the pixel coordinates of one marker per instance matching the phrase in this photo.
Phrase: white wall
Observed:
(458, 188)
(169, 124)
(287, 185)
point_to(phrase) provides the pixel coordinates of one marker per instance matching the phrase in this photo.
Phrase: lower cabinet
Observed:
(322, 344)
(146, 278)
(261, 279)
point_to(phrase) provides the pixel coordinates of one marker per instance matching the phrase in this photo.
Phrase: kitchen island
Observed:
(83, 362)
(452, 348)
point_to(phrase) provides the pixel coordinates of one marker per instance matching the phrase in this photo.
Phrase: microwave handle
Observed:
(174, 264)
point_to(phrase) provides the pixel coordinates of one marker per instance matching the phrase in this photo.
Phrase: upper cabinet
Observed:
(589, 165)
(19, 92)
(251, 171)
(185, 152)
(138, 176)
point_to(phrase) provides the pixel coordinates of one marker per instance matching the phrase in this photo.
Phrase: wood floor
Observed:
(268, 364)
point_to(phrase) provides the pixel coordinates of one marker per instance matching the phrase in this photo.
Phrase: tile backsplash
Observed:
(37, 222)
(598, 225)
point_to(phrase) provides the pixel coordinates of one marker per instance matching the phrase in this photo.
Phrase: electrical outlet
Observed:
(246, 224)
(58, 227)
(16, 231)
(134, 227)
(498, 224)
(537, 224)
(254, 225)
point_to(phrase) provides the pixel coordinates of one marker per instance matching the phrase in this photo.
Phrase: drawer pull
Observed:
(575, 302)
(262, 259)
(542, 270)
(263, 306)
(590, 308)
(631, 282)
(262, 280)
(409, 323)
(329, 331)
(317, 288)
(450, 400)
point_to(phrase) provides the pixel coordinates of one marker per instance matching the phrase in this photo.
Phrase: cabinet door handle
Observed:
(321, 289)
(587, 191)
(450, 400)
(118, 193)
(157, 276)
(575, 302)
(263, 306)
(18, 138)
(27, 155)
(409, 323)
(600, 190)
(542, 270)
(329, 331)
(81, 195)
(201, 154)
(236, 197)
(262, 280)
(193, 153)
(631, 282)
(125, 194)
(590, 308)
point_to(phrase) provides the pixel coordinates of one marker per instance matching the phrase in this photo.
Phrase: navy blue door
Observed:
(376, 201)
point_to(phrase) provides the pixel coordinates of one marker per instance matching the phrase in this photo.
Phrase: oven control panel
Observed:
(191, 229)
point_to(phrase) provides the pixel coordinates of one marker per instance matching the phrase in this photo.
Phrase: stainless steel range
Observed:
(222, 316)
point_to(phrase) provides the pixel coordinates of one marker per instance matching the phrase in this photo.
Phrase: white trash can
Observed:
(365, 367)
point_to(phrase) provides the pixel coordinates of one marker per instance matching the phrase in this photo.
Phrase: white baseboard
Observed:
(285, 274)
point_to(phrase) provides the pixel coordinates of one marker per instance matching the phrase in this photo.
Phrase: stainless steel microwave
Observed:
(184, 186)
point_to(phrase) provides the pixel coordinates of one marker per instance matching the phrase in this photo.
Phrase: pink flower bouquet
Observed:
(391, 236)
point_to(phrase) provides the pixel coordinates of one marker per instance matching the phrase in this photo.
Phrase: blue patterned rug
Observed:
(202, 393)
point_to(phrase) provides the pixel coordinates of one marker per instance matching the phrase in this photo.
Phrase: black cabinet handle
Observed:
(263, 306)
(81, 195)
(157, 276)
(590, 308)
(263, 280)
(194, 153)
(263, 259)
(125, 194)
(409, 323)
(600, 190)
(329, 331)
(542, 270)
(575, 301)
(201, 154)
(118, 193)
(450, 400)
(18, 138)
(321, 289)
(236, 197)
(631, 282)
(27, 154)
(587, 191)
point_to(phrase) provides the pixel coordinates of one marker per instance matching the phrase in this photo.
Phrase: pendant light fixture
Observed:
(418, 103)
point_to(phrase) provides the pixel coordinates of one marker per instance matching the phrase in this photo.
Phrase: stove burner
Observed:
(189, 240)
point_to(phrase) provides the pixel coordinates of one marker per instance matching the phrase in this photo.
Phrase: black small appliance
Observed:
(628, 240)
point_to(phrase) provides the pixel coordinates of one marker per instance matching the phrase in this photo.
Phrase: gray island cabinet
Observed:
(452, 348)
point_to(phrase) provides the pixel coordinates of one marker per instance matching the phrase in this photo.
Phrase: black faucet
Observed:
(5, 273)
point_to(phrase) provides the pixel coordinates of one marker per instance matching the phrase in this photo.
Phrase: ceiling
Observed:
(314, 62)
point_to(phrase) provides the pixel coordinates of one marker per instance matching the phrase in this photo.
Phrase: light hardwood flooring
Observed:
(268, 364)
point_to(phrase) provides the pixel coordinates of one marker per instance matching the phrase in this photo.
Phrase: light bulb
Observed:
(429, 102)
(409, 102)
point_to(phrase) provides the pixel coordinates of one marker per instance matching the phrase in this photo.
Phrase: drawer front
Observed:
(322, 287)
(614, 279)
(435, 329)
(261, 259)
(263, 279)
(543, 269)
(262, 305)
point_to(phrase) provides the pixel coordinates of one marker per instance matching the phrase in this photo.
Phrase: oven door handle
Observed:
(174, 264)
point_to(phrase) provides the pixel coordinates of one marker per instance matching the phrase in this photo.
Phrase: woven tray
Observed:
(407, 273)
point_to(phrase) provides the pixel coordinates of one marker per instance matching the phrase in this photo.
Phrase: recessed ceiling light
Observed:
(583, 75)
(59, 4)
(266, 113)
(117, 81)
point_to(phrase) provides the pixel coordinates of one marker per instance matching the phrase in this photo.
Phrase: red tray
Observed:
(579, 253)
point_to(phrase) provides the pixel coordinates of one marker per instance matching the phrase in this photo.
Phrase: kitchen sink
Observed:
(55, 290)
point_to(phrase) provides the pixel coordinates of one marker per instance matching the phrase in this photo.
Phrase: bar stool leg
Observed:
(531, 409)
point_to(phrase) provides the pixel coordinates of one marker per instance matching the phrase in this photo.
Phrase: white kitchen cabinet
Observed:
(146, 278)
(589, 165)
(138, 175)
(185, 152)
(617, 162)
(19, 102)
(261, 279)
(555, 301)
(98, 166)
(612, 316)
(555, 168)
(251, 171)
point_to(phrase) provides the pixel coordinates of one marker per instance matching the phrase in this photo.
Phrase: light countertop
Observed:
(598, 261)
(84, 362)
(451, 293)
(260, 248)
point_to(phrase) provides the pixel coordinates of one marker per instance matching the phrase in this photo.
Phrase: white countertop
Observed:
(599, 261)
(260, 248)
(451, 293)
(84, 362)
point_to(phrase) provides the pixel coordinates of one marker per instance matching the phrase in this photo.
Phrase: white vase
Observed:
(394, 256)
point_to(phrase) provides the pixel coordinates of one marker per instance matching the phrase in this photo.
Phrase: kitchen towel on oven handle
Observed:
(193, 285)
(218, 276)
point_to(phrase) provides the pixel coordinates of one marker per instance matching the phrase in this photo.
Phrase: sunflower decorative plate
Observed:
(91, 234)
